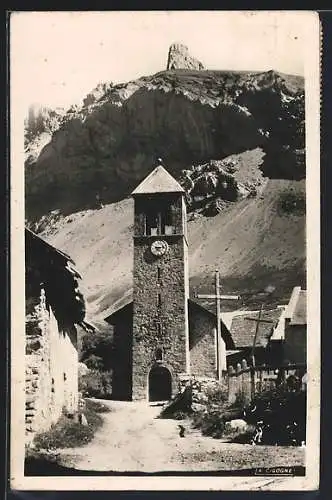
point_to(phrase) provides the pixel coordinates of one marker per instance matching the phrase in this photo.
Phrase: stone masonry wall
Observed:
(38, 377)
(51, 366)
(122, 367)
(63, 368)
(201, 387)
(202, 345)
(159, 325)
(160, 298)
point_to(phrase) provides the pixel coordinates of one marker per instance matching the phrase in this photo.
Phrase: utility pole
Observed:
(218, 297)
(258, 321)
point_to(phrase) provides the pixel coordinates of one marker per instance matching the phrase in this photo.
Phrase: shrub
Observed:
(97, 384)
(210, 422)
(216, 395)
(240, 400)
(243, 437)
(180, 407)
(280, 409)
(96, 406)
(292, 202)
(67, 432)
(94, 362)
(97, 351)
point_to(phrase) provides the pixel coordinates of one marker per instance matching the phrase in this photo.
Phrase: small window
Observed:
(159, 328)
(159, 299)
(166, 221)
(158, 221)
(159, 355)
(64, 377)
(152, 224)
(158, 273)
(169, 230)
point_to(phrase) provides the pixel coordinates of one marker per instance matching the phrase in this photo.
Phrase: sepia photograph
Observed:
(165, 211)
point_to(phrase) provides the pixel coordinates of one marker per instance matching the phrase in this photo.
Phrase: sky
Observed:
(58, 57)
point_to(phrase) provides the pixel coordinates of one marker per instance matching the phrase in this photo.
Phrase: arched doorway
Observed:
(160, 384)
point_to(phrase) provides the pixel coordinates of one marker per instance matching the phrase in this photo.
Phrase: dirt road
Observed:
(133, 439)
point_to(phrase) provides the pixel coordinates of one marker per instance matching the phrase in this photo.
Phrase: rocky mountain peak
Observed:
(179, 58)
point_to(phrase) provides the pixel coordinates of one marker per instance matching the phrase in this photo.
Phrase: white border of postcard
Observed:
(311, 480)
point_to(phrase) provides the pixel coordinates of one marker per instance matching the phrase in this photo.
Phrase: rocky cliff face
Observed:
(39, 126)
(179, 58)
(188, 118)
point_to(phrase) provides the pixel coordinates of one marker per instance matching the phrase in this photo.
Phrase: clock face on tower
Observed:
(159, 248)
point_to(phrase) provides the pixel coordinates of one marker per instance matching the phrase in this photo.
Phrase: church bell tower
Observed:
(160, 348)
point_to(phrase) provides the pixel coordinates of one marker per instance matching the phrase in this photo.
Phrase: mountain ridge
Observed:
(234, 141)
(186, 117)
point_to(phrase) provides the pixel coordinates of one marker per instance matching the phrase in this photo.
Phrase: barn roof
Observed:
(35, 246)
(243, 330)
(158, 181)
(60, 277)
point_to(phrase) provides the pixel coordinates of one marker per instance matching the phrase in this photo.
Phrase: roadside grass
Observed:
(68, 432)
(231, 456)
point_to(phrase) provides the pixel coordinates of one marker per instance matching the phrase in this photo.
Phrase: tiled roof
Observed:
(158, 181)
(118, 307)
(127, 300)
(243, 330)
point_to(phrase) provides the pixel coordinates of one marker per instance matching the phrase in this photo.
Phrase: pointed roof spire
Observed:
(158, 181)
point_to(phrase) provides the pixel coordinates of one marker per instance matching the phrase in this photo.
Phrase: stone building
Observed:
(160, 333)
(295, 347)
(54, 309)
(243, 330)
(291, 331)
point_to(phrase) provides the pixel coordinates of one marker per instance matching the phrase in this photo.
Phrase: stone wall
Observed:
(201, 387)
(202, 344)
(38, 378)
(159, 325)
(160, 297)
(122, 365)
(51, 366)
